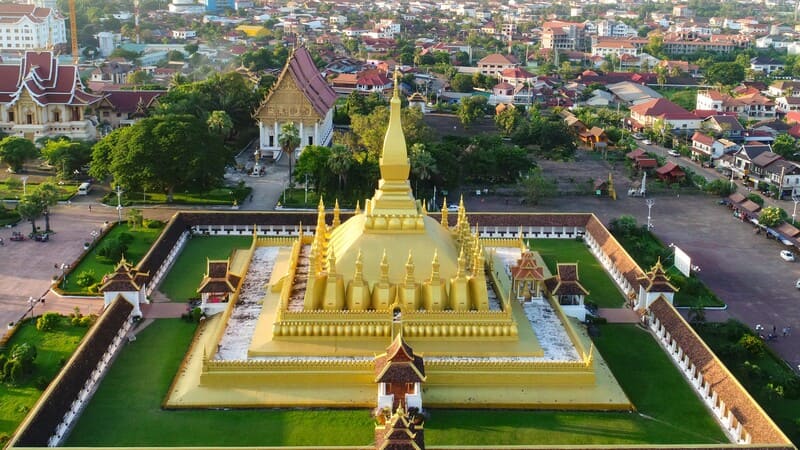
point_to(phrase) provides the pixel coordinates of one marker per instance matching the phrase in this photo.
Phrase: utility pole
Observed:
(650, 202)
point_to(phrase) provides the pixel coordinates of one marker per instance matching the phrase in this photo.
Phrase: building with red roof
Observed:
(660, 109)
(40, 98)
(301, 96)
(670, 173)
(28, 27)
(122, 107)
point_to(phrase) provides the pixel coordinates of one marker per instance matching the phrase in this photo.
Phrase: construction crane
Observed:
(73, 29)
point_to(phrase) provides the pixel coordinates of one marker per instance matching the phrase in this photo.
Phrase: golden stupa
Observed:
(337, 297)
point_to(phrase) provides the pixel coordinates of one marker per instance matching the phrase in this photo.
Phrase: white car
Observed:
(452, 208)
(797, 283)
(786, 255)
(673, 153)
(646, 142)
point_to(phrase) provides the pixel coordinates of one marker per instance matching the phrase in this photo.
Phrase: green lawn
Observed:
(65, 191)
(218, 196)
(602, 289)
(133, 390)
(185, 276)
(143, 239)
(52, 347)
(670, 413)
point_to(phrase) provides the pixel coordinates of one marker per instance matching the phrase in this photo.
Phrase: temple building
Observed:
(40, 98)
(316, 307)
(301, 96)
(126, 282)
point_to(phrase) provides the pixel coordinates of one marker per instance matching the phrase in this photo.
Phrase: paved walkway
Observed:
(163, 310)
(618, 315)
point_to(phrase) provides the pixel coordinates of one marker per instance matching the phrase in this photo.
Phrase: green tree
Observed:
(371, 128)
(48, 321)
(785, 146)
(139, 77)
(47, 195)
(725, 74)
(66, 155)
(25, 353)
(423, 165)
(30, 208)
(772, 216)
(313, 163)
(191, 48)
(219, 122)
(289, 139)
(508, 120)
(162, 153)
(461, 83)
(14, 151)
(535, 186)
(471, 109)
(339, 162)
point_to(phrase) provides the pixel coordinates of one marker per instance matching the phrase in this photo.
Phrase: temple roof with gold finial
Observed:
(125, 278)
(399, 364)
(656, 280)
(400, 432)
(527, 268)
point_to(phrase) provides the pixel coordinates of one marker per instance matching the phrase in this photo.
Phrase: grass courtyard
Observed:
(52, 347)
(185, 276)
(143, 239)
(593, 277)
(669, 413)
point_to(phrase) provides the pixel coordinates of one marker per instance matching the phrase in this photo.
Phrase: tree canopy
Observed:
(371, 128)
(471, 109)
(162, 153)
(67, 156)
(14, 151)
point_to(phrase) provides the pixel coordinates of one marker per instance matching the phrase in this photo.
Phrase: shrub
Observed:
(86, 278)
(112, 249)
(755, 198)
(41, 383)
(752, 343)
(154, 223)
(87, 321)
(773, 390)
(13, 370)
(3, 361)
(48, 321)
(197, 313)
(25, 353)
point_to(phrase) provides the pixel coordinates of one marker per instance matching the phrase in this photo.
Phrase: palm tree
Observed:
(289, 140)
(220, 122)
(423, 164)
(339, 162)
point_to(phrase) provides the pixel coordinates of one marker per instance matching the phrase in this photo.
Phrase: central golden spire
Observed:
(393, 196)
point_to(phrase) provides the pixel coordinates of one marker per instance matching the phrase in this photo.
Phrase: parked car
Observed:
(708, 164)
(646, 142)
(797, 283)
(638, 136)
(452, 208)
(673, 153)
(787, 255)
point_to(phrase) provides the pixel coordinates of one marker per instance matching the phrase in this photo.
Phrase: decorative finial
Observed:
(358, 207)
(321, 206)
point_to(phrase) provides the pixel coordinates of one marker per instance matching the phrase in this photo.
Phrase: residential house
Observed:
(630, 93)
(708, 147)
(517, 76)
(300, 96)
(123, 108)
(751, 105)
(784, 175)
(645, 115)
(617, 47)
(759, 164)
(114, 72)
(594, 137)
(785, 104)
(724, 126)
(41, 98)
(493, 65)
(670, 173)
(766, 64)
(373, 81)
(641, 160)
(743, 159)
(788, 88)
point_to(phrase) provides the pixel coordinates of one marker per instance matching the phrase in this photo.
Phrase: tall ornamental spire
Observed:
(394, 159)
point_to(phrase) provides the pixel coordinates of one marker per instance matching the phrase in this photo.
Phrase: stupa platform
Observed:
(265, 344)
(347, 382)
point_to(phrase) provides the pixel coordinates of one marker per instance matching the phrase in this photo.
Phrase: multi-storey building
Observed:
(28, 27)
(558, 35)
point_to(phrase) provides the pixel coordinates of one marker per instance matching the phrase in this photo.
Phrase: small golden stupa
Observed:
(336, 298)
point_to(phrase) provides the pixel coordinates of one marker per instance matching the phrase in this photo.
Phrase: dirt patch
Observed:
(578, 176)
